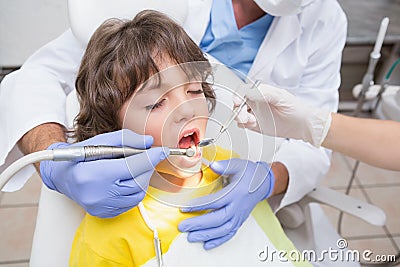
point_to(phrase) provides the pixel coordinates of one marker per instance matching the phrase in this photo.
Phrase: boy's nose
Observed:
(185, 110)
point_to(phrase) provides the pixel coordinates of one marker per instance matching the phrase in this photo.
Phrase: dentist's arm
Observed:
(40, 138)
(372, 141)
(33, 98)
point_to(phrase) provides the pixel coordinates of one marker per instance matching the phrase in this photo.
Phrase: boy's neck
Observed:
(174, 184)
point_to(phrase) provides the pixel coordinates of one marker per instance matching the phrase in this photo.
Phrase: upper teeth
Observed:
(186, 135)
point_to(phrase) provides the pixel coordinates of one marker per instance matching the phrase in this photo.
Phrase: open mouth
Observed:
(189, 138)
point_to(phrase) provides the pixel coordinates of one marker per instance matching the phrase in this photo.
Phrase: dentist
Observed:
(291, 44)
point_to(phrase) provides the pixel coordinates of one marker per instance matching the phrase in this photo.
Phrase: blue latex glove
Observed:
(249, 183)
(105, 188)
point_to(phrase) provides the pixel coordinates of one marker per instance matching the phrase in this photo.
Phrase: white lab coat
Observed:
(301, 53)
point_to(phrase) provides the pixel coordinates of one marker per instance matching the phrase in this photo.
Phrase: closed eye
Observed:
(156, 105)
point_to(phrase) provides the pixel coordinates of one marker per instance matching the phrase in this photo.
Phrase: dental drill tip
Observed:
(189, 152)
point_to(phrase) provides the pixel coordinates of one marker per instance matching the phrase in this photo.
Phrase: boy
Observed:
(148, 76)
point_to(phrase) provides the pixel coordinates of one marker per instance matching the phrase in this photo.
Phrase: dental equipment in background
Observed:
(225, 126)
(80, 154)
(374, 57)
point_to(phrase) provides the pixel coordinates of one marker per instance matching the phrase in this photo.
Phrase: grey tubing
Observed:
(22, 162)
(78, 154)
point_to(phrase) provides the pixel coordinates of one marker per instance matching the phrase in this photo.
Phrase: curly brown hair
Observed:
(120, 57)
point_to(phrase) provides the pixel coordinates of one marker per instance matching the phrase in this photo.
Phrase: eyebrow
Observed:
(150, 84)
(156, 80)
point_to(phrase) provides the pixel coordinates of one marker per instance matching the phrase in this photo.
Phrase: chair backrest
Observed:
(57, 220)
(86, 16)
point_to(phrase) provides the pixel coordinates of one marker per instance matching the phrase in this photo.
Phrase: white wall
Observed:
(26, 25)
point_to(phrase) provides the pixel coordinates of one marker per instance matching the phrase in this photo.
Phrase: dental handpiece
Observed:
(80, 154)
(91, 153)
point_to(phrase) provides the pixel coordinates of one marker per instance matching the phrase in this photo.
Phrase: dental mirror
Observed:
(206, 142)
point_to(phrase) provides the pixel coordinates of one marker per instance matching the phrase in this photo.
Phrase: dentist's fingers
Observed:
(245, 118)
(212, 201)
(268, 94)
(133, 139)
(109, 212)
(242, 117)
(221, 198)
(134, 186)
(122, 137)
(127, 202)
(211, 233)
(212, 219)
(228, 167)
(125, 168)
(247, 121)
(218, 241)
(236, 100)
(145, 161)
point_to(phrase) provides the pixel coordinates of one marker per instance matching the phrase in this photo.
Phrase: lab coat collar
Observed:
(197, 19)
(283, 31)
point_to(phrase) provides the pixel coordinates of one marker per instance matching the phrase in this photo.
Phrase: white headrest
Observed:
(86, 15)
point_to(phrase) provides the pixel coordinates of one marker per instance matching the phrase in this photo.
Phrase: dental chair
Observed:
(58, 217)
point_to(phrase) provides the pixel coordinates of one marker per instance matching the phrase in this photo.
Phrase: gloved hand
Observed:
(105, 188)
(276, 112)
(249, 183)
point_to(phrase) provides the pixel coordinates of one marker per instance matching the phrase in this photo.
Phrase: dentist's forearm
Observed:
(40, 138)
(375, 142)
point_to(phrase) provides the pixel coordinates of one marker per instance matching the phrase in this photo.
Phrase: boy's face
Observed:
(172, 109)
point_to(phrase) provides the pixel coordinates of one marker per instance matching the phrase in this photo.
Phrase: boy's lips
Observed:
(189, 138)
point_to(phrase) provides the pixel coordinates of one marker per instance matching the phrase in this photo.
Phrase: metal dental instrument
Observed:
(80, 154)
(225, 126)
(90, 153)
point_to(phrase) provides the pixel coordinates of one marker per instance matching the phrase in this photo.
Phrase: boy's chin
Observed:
(180, 168)
(190, 169)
